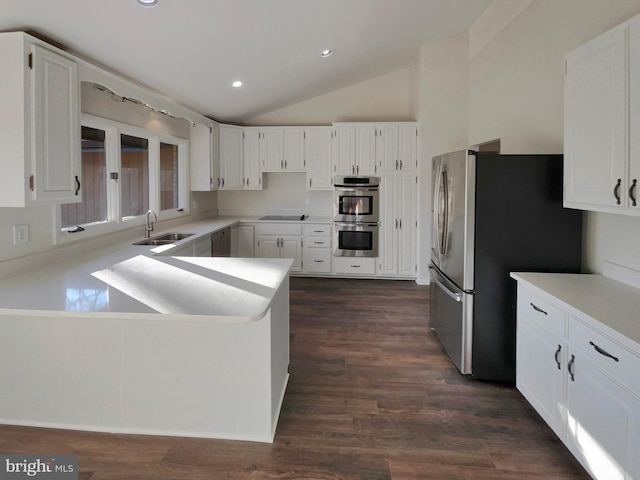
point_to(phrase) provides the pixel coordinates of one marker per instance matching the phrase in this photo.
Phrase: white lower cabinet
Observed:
(582, 382)
(354, 265)
(316, 249)
(280, 241)
(243, 241)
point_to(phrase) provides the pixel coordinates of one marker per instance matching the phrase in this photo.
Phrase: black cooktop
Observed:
(293, 218)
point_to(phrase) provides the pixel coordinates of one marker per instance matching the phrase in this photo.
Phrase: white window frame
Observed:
(113, 130)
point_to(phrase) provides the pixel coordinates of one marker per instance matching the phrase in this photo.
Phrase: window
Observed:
(126, 171)
(134, 171)
(94, 182)
(168, 176)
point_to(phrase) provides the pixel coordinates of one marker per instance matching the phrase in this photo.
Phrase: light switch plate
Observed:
(20, 234)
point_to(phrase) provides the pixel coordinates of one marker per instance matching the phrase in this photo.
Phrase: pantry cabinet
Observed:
(602, 116)
(39, 125)
(577, 371)
(398, 228)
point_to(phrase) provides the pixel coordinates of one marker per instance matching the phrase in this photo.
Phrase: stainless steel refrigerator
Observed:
(493, 214)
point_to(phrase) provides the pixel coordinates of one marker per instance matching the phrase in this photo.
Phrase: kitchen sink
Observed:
(166, 239)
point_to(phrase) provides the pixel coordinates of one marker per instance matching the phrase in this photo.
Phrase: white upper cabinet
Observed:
(318, 158)
(374, 148)
(202, 161)
(397, 147)
(343, 150)
(40, 124)
(282, 149)
(252, 172)
(231, 157)
(602, 115)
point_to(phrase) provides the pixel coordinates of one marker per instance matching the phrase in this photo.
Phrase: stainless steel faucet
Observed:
(148, 228)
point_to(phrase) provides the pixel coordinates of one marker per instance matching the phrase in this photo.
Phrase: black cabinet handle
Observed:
(556, 355)
(616, 191)
(602, 351)
(537, 308)
(77, 184)
(570, 368)
(632, 192)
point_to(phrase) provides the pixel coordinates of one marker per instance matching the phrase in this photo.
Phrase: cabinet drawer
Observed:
(317, 230)
(317, 242)
(542, 312)
(279, 228)
(600, 349)
(317, 260)
(355, 266)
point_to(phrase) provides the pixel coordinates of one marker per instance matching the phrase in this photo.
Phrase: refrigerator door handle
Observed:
(436, 212)
(436, 277)
(445, 232)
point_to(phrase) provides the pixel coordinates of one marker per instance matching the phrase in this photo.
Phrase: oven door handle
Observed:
(356, 224)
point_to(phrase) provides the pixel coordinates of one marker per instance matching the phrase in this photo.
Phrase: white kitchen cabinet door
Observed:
(294, 149)
(595, 152)
(408, 147)
(407, 228)
(201, 158)
(634, 117)
(343, 150)
(397, 245)
(231, 157)
(267, 246)
(540, 369)
(243, 241)
(55, 128)
(202, 248)
(603, 422)
(365, 162)
(387, 248)
(387, 148)
(252, 171)
(291, 247)
(272, 149)
(317, 152)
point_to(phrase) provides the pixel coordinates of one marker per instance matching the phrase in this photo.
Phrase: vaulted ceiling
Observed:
(192, 50)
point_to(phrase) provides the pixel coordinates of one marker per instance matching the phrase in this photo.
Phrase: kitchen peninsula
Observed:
(127, 340)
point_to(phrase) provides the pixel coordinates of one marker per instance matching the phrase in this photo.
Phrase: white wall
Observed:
(443, 121)
(41, 219)
(387, 98)
(516, 94)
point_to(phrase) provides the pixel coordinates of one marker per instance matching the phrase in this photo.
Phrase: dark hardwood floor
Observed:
(371, 396)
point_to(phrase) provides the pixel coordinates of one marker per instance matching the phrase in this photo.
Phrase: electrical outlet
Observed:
(307, 201)
(20, 234)
(195, 204)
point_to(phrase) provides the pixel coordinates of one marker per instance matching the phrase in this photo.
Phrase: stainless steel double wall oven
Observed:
(356, 215)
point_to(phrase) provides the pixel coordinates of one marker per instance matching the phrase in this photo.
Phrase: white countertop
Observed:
(610, 302)
(138, 279)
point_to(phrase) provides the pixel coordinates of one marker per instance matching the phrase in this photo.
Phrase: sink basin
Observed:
(166, 239)
(174, 237)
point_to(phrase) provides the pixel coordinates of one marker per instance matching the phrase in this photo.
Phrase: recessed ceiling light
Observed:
(148, 3)
(326, 52)
(236, 84)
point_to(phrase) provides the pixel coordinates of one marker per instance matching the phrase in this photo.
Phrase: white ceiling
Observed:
(191, 50)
